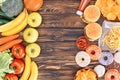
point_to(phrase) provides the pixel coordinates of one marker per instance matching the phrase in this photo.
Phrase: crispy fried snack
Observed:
(86, 74)
(112, 39)
(110, 9)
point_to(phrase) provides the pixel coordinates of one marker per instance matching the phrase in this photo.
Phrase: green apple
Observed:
(33, 50)
(30, 35)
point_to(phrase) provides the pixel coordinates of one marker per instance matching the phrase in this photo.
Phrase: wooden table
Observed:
(58, 33)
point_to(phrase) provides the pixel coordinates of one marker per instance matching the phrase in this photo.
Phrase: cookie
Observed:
(82, 59)
(106, 58)
(100, 70)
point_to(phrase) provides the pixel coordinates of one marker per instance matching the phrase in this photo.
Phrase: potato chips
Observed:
(110, 9)
(112, 39)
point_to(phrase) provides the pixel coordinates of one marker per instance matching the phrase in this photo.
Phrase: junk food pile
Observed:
(107, 35)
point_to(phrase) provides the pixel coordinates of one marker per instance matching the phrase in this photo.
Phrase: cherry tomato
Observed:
(18, 51)
(82, 42)
(33, 5)
(11, 77)
(18, 66)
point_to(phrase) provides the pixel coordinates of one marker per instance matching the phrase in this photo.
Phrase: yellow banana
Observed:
(26, 72)
(34, 71)
(13, 23)
(17, 29)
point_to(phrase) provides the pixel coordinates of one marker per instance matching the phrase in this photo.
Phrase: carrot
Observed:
(10, 44)
(4, 40)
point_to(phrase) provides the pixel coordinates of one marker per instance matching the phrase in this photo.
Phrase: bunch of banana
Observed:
(26, 73)
(16, 25)
(30, 71)
(34, 71)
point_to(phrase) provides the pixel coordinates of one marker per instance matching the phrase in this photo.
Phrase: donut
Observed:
(100, 70)
(106, 58)
(82, 59)
(94, 52)
(112, 74)
(86, 74)
(117, 57)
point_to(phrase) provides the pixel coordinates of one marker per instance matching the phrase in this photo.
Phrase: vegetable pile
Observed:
(15, 58)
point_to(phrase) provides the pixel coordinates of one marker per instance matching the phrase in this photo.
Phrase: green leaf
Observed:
(5, 61)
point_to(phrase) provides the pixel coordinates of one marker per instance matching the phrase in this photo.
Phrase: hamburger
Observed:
(92, 13)
(93, 31)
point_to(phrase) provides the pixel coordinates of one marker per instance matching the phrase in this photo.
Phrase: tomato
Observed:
(82, 42)
(18, 51)
(11, 77)
(33, 5)
(18, 66)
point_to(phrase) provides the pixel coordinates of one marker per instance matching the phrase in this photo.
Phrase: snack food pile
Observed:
(88, 53)
(110, 9)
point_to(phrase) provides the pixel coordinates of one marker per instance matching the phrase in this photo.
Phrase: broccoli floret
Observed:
(12, 7)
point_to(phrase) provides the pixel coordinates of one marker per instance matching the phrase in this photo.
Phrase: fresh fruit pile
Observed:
(93, 53)
(15, 57)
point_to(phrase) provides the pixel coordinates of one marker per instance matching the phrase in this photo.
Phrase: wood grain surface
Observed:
(57, 35)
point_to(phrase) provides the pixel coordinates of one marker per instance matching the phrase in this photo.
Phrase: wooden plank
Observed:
(56, 75)
(60, 6)
(62, 21)
(61, 14)
(59, 55)
(60, 63)
(59, 34)
(54, 48)
(59, 30)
